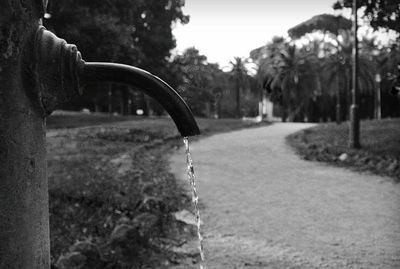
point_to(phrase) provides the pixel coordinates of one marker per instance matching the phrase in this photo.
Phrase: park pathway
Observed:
(264, 207)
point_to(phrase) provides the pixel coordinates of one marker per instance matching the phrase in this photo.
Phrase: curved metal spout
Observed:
(60, 66)
(151, 85)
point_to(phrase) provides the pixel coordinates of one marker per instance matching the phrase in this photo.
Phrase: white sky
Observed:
(223, 29)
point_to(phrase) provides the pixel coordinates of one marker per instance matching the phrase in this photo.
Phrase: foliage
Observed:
(200, 82)
(328, 66)
(381, 14)
(268, 61)
(243, 85)
(324, 22)
(389, 58)
(133, 32)
(339, 65)
(94, 189)
(337, 68)
(297, 80)
(380, 153)
(289, 75)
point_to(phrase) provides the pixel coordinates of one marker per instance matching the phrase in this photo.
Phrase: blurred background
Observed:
(285, 60)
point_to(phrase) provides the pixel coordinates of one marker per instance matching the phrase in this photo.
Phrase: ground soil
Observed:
(264, 207)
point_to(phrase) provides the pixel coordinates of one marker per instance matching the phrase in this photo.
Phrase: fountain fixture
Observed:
(38, 73)
(62, 73)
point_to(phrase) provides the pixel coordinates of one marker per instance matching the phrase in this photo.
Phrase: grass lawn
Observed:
(380, 152)
(207, 126)
(60, 120)
(111, 190)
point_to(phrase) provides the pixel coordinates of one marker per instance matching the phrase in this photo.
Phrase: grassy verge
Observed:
(112, 195)
(61, 120)
(380, 152)
(207, 126)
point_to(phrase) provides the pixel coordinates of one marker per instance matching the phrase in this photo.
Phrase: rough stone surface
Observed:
(24, 227)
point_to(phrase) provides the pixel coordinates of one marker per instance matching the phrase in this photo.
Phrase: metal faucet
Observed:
(60, 66)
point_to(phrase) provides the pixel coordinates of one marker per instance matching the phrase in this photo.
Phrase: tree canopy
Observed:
(324, 22)
(198, 84)
(134, 32)
(381, 14)
(307, 81)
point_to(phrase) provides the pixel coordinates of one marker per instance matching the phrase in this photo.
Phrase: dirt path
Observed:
(264, 207)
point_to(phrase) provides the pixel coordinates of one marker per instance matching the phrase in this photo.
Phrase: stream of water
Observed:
(195, 200)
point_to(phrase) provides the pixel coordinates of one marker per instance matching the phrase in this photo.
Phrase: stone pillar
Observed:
(24, 217)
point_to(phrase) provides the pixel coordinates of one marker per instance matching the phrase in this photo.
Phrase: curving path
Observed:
(264, 207)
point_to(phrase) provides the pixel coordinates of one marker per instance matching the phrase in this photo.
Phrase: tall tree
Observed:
(334, 25)
(135, 32)
(289, 76)
(196, 81)
(268, 60)
(239, 74)
(381, 14)
(387, 59)
(337, 68)
(324, 23)
(297, 81)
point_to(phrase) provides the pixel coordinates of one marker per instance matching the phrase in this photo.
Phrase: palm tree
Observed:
(326, 23)
(387, 59)
(297, 82)
(268, 59)
(239, 73)
(338, 68)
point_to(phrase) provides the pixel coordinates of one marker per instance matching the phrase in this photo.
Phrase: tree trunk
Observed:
(96, 104)
(284, 114)
(338, 108)
(122, 102)
(354, 132)
(24, 217)
(147, 107)
(130, 105)
(238, 106)
(109, 99)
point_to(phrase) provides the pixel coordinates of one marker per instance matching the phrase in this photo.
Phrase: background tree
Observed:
(239, 75)
(321, 79)
(196, 81)
(333, 25)
(381, 14)
(211, 92)
(127, 31)
(288, 76)
(324, 23)
(268, 60)
(297, 81)
(388, 58)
